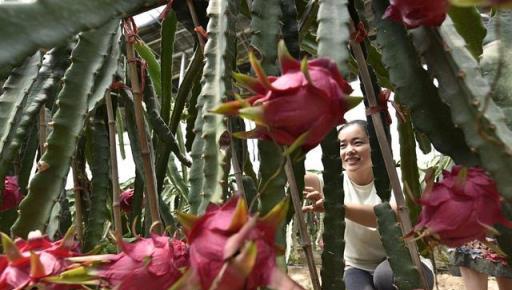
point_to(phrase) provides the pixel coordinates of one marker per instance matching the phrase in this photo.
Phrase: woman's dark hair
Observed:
(361, 123)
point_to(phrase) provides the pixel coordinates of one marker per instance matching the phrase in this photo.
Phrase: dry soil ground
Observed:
(446, 281)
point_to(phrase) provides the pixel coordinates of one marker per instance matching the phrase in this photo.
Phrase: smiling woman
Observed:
(365, 258)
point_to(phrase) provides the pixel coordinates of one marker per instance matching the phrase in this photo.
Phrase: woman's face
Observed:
(354, 148)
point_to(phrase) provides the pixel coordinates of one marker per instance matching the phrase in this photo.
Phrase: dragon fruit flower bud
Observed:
(461, 208)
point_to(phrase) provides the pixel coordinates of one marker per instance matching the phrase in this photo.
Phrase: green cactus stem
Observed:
(24, 30)
(333, 16)
(417, 91)
(68, 121)
(334, 239)
(99, 163)
(468, 95)
(405, 274)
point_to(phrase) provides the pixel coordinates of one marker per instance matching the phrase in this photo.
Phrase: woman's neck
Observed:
(361, 177)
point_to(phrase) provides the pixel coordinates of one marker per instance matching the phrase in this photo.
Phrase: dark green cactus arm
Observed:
(42, 92)
(290, 27)
(468, 22)
(16, 91)
(192, 115)
(266, 27)
(405, 274)
(160, 128)
(416, 89)
(409, 166)
(105, 76)
(216, 79)
(97, 139)
(137, 154)
(192, 76)
(334, 239)
(68, 121)
(163, 151)
(120, 130)
(307, 18)
(468, 95)
(45, 24)
(333, 16)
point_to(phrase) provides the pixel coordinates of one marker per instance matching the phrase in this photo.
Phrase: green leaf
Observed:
(68, 121)
(27, 27)
(468, 23)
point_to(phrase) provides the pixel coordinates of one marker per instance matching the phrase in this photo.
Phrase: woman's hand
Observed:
(316, 198)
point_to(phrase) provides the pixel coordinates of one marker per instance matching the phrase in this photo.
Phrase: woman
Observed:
(366, 267)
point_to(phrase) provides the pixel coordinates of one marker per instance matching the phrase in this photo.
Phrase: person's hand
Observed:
(316, 198)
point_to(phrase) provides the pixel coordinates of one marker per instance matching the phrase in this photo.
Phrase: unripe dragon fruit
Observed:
(302, 105)
(462, 207)
(231, 250)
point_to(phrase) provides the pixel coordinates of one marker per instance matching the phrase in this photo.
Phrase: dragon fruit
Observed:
(11, 195)
(462, 207)
(149, 263)
(414, 13)
(231, 250)
(28, 262)
(302, 105)
(126, 199)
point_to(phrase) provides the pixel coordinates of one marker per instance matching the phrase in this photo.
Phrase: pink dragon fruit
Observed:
(414, 13)
(11, 196)
(232, 250)
(149, 263)
(461, 208)
(303, 104)
(29, 262)
(126, 199)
